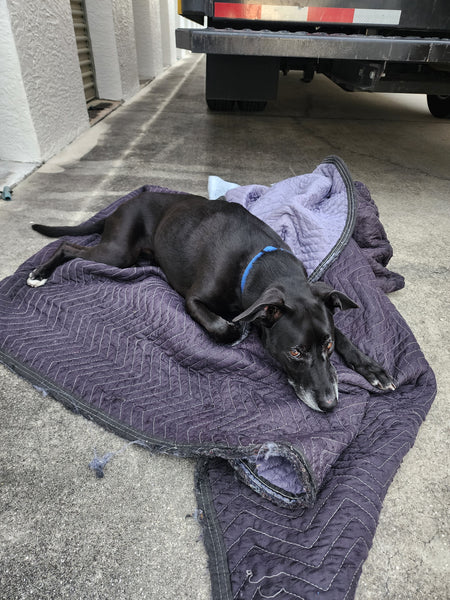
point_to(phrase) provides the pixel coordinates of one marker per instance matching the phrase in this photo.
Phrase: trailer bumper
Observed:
(314, 45)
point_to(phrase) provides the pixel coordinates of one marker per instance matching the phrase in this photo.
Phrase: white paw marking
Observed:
(32, 282)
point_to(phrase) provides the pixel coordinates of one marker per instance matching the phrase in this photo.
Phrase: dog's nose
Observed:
(327, 404)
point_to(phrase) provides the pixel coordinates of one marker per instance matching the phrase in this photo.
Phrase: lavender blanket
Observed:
(117, 346)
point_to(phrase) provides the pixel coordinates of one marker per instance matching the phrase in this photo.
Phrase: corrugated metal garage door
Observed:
(84, 49)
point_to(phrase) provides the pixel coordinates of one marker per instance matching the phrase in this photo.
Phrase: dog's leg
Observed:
(64, 253)
(102, 253)
(219, 329)
(362, 364)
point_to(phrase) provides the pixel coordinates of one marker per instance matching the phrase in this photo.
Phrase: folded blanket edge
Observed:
(239, 456)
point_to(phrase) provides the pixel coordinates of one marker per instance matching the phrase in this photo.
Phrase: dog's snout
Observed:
(327, 404)
(327, 398)
(319, 401)
(318, 387)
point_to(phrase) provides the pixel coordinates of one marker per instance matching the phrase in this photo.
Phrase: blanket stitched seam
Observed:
(85, 409)
(212, 534)
(349, 224)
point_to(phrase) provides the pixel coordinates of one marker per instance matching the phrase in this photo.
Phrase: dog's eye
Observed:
(295, 353)
(329, 347)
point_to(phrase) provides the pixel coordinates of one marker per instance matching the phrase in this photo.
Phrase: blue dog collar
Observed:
(254, 259)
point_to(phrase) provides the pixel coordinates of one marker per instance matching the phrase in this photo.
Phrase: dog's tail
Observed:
(58, 231)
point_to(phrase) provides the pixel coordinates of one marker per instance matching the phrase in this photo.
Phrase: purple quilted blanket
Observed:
(117, 346)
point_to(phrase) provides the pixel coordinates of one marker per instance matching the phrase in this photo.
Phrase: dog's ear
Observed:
(333, 299)
(269, 307)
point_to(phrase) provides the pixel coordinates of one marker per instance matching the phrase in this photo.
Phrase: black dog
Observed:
(232, 269)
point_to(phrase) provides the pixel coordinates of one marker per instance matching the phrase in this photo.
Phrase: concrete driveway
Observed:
(64, 533)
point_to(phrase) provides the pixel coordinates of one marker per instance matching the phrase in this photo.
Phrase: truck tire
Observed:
(220, 105)
(439, 106)
(252, 105)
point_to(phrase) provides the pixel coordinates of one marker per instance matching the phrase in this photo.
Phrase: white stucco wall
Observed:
(46, 49)
(42, 105)
(168, 14)
(147, 26)
(19, 140)
(126, 46)
(104, 50)
(155, 22)
(111, 29)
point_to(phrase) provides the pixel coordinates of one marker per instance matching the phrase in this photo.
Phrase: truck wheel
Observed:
(439, 106)
(252, 105)
(220, 105)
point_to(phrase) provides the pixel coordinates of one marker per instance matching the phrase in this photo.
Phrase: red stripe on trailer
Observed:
(237, 11)
(330, 15)
(315, 14)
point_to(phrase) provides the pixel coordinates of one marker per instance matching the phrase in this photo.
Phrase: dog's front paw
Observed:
(225, 332)
(244, 331)
(34, 280)
(377, 376)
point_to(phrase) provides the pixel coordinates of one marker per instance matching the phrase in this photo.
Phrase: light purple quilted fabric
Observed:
(309, 212)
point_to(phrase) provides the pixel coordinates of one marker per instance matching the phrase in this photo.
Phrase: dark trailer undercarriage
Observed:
(362, 45)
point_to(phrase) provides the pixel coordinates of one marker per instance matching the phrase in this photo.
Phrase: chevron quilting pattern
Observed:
(117, 345)
(318, 551)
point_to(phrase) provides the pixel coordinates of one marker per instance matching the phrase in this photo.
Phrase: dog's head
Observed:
(298, 331)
